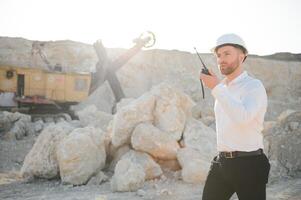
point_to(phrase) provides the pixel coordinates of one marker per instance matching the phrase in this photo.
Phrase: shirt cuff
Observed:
(217, 90)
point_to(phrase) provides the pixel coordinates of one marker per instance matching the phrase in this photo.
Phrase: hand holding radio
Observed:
(207, 76)
(210, 81)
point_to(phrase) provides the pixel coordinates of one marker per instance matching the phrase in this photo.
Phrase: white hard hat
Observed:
(231, 39)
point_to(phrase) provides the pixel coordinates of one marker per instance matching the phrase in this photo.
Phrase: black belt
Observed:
(235, 154)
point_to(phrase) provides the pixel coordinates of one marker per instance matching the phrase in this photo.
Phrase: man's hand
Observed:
(210, 81)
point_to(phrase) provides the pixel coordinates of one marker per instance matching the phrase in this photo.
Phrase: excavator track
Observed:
(45, 113)
(51, 117)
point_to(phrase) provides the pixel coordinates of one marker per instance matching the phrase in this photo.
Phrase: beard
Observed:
(228, 68)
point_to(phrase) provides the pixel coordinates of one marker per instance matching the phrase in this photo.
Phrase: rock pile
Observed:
(138, 144)
(146, 136)
(283, 140)
(16, 125)
(41, 161)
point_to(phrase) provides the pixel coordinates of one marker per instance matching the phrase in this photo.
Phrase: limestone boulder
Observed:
(203, 109)
(200, 137)
(81, 155)
(208, 120)
(125, 120)
(108, 134)
(115, 154)
(123, 102)
(16, 125)
(128, 176)
(283, 147)
(194, 167)
(172, 109)
(98, 179)
(41, 161)
(148, 138)
(91, 116)
(21, 128)
(4, 123)
(38, 125)
(171, 165)
(151, 168)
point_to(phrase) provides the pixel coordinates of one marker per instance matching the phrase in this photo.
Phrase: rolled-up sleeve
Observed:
(247, 107)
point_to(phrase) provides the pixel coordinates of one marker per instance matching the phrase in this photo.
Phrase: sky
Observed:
(267, 26)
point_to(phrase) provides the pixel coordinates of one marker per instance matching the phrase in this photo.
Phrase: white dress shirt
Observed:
(239, 109)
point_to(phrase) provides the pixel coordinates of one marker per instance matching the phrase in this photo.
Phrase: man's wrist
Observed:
(214, 85)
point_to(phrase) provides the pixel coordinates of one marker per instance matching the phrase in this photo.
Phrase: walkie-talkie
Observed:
(204, 71)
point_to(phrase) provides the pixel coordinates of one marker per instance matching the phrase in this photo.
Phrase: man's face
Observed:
(229, 59)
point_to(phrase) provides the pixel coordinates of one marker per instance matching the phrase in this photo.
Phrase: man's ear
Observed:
(242, 57)
(245, 58)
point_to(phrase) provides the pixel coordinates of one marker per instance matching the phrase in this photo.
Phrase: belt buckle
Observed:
(229, 154)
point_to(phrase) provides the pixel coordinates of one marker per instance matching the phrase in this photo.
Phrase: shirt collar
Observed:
(237, 79)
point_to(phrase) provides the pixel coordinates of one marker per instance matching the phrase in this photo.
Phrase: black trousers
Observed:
(245, 176)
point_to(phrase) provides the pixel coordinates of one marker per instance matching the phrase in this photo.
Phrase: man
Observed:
(241, 167)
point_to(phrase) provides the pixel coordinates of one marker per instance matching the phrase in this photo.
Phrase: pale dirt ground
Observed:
(12, 186)
(160, 189)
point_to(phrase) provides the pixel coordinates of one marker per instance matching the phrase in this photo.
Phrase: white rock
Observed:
(129, 176)
(108, 134)
(150, 139)
(172, 109)
(98, 179)
(194, 167)
(141, 193)
(115, 154)
(81, 154)
(38, 125)
(41, 161)
(20, 129)
(283, 147)
(91, 116)
(12, 117)
(129, 117)
(172, 165)
(200, 137)
(124, 102)
(20, 125)
(208, 120)
(151, 168)
(170, 118)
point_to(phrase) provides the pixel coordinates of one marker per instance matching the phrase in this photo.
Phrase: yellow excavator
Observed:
(30, 88)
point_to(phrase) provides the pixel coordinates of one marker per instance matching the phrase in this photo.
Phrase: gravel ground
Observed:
(168, 188)
(12, 187)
